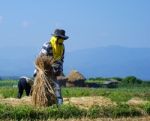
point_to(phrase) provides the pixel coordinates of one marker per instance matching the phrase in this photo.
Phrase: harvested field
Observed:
(72, 113)
(87, 102)
(15, 102)
(146, 118)
(136, 101)
(83, 102)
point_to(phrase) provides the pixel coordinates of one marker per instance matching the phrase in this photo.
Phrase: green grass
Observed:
(8, 83)
(7, 92)
(118, 95)
(95, 81)
(67, 111)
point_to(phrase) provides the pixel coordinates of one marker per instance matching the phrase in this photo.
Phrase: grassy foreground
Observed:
(70, 111)
(118, 95)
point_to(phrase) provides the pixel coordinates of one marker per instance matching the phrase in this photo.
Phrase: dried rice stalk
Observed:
(75, 75)
(43, 92)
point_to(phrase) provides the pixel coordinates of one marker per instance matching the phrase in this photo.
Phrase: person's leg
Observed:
(20, 88)
(27, 89)
(57, 90)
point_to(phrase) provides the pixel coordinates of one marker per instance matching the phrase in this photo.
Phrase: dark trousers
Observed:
(23, 85)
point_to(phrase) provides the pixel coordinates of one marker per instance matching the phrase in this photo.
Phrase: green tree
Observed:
(131, 80)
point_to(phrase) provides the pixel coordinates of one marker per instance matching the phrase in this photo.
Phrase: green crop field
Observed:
(120, 95)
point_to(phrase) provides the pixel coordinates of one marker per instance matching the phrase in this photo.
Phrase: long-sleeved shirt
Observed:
(47, 49)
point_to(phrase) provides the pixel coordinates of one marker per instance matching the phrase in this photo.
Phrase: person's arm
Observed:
(46, 49)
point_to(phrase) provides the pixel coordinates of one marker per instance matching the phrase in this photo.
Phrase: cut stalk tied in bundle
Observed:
(43, 88)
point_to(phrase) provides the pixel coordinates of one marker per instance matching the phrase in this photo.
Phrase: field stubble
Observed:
(82, 102)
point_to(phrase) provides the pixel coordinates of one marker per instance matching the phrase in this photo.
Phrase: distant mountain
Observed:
(112, 61)
(17, 61)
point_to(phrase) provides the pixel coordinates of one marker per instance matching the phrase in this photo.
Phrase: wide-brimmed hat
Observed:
(60, 33)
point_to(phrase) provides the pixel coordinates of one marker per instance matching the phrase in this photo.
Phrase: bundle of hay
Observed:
(136, 101)
(75, 78)
(43, 92)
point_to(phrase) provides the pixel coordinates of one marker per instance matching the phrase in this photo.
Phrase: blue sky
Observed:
(88, 23)
(25, 25)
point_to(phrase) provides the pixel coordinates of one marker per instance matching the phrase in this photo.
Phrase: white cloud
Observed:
(25, 24)
(1, 19)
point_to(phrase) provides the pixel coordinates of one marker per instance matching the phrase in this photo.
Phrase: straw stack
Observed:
(43, 90)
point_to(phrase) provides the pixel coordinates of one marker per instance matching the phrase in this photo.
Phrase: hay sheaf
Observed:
(75, 75)
(15, 102)
(87, 102)
(136, 101)
(43, 92)
(81, 102)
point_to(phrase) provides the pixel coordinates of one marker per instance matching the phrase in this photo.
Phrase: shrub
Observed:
(131, 80)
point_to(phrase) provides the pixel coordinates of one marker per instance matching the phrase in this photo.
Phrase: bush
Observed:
(131, 80)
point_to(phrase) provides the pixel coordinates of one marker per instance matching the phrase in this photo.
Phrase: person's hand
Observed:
(62, 78)
(55, 67)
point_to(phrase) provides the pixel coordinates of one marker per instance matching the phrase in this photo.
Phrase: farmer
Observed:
(55, 48)
(24, 83)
